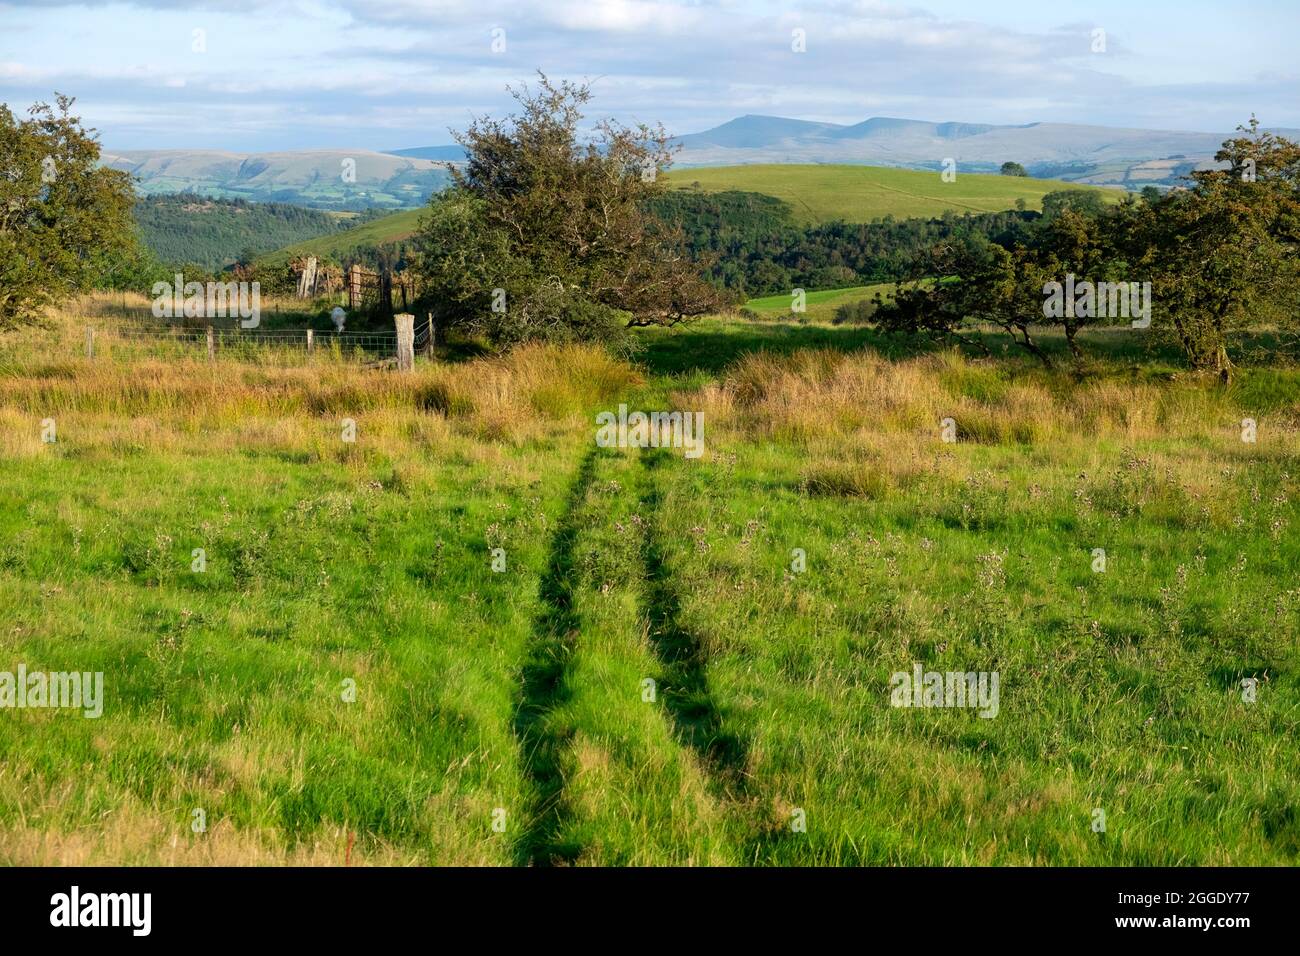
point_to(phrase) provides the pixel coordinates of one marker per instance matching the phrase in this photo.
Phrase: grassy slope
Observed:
(817, 194)
(821, 193)
(525, 690)
(378, 232)
(325, 561)
(820, 304)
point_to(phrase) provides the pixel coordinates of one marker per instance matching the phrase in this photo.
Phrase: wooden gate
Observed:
(383, 291)
(369, 291)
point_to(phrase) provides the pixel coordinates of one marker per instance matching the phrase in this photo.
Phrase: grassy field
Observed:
(815, 193)
(504, 716)
(820, 305)
(822, 193)
(378, 232)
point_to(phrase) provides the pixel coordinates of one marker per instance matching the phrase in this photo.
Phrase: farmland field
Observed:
(378, 232)
(815, 194)
(431, 644)
(820, 304)
(821, 193)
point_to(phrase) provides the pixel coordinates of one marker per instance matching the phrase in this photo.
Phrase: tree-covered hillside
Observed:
(215, 233)
(750, 244)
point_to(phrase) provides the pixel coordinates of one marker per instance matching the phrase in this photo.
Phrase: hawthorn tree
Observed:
(546, 236)
(1073, 243)
(958, 285)
(1221, 256)
(64, 220)
(1225, 254)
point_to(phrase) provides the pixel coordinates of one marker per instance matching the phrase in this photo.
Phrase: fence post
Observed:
(307, 279)
(212, 345)
(405, 341)
(428, 348)
(311, 340)
(90, 341)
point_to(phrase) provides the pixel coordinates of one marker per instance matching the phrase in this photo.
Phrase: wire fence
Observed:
(127, 341)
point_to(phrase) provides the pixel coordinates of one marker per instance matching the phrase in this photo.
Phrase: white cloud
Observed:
(399, 71)
(626, 16)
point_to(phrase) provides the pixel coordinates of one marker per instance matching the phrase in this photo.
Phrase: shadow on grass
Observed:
(711, 345)
(545, 688)
(697, 720)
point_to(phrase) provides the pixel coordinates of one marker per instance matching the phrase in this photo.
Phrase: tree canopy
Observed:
(546, 236)
(1207, 261)
(63, 218)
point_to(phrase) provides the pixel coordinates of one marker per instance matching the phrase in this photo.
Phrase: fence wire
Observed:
(252, 344)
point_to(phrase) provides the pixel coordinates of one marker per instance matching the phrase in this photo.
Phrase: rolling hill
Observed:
(383, 231)
(821, 193)
(815, 194)
(405, 178)
(1096, 154)
(313, 178)
(821, 304)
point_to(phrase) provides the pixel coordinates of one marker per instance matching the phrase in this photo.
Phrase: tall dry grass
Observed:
(515, 398)
(868, 425)
(814, 394)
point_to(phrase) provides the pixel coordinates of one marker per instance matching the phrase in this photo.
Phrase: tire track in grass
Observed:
(545, 688)
(697, 719)
(698, 722)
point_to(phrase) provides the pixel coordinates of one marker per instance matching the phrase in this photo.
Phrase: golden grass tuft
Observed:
(118, 407)
(813, 395)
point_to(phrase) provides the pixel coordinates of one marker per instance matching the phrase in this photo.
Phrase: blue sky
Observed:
(382, 74)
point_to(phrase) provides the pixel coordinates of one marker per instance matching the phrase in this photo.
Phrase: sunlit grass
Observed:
(506, 716)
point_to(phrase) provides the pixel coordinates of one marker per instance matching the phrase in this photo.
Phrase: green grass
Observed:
(522, 696)
(824, 193)
(820, 305)
(815, 193)
(225, 687)
(378, 232)
(1119, 690)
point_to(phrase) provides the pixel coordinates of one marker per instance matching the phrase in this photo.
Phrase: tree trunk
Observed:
(1070, 332)
(1029, 345)
(1223, 364)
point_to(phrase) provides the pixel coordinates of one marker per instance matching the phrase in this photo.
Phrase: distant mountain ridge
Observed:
(323, 179)
(1096, 155)
(404, 178)
(1093, 155)
(453, 153)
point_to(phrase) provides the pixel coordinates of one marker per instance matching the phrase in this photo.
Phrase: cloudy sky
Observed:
(383, 74)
